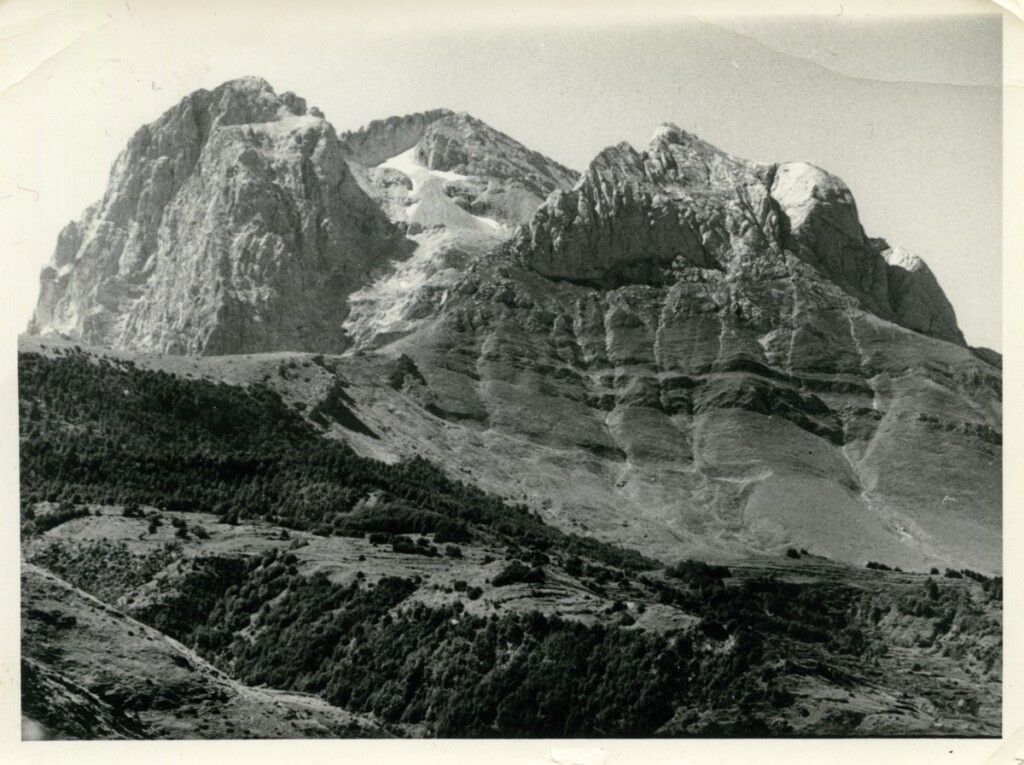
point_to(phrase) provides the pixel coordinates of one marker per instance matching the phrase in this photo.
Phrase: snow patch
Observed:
(908, 261)
(407, 163)
(448, 237)
(429, 204)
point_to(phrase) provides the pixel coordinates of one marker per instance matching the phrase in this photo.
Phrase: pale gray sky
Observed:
(907, 113)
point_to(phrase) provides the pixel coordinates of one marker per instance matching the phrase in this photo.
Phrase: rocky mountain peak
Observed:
(683, 203)
(463, 144)
(230, 224)
(237, 187)
(670, 132)
(459, 189)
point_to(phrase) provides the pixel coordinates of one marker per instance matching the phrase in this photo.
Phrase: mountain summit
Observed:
(240, 221)
(231, 224)
(642, 216)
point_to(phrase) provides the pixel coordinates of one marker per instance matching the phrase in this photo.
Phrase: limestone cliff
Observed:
(232, 224)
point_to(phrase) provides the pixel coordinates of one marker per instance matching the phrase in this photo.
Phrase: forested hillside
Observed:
(96, 430)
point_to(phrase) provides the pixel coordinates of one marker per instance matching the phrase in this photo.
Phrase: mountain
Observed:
(240, 222)
(641, 217)
(709, 351)
(230, 224)
(458, 188)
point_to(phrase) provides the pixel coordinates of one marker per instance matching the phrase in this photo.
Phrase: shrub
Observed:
(405, 546)
(697, 572)
(516, 572)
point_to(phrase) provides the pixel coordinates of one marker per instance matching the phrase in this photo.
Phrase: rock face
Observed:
(230, 225)
(382, 139)
(641, 217)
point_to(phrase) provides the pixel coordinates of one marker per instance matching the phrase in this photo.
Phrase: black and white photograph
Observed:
(612, 373)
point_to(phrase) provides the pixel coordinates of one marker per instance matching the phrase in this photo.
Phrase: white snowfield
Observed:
(446, 236)
(429, 205)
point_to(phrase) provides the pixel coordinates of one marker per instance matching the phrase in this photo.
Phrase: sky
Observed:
(907, 113)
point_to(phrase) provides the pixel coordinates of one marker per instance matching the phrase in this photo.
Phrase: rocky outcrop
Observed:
(230, 225)
(462, 144)
(641, 217)
(917, 300)
(382, 139)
